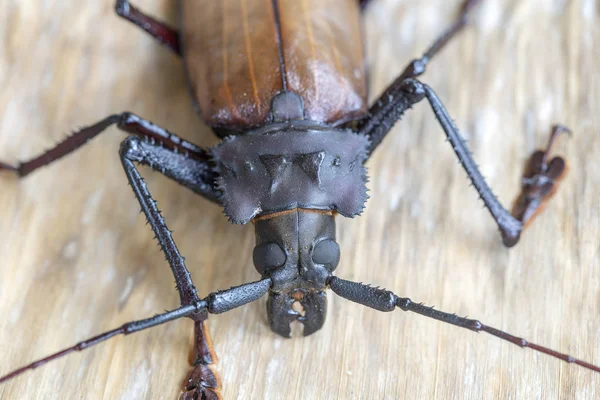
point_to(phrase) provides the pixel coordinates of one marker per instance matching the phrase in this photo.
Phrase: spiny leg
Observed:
(158, 30)
(394, 101)
(130, 152)
(411, 92)
(405, 92)
(540, 180)
(418, 66)
(202, 381)
(189, 164)
(384, 300)
(510, 227)
(192, 307)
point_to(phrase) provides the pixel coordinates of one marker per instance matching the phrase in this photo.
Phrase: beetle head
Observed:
(298, 251)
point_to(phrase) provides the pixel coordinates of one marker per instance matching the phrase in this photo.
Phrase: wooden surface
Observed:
(78, 259)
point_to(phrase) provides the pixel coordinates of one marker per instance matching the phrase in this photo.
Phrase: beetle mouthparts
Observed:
(306, 307)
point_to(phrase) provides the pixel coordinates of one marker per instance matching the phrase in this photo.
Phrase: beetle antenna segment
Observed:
(214, 303)
(384, 300)
(125, 329)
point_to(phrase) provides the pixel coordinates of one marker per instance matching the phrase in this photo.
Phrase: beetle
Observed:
(299, 162)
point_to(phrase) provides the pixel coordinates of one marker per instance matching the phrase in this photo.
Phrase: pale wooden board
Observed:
(78, 259)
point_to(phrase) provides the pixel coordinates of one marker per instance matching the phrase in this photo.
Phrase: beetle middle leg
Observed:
(188, 163)
(394, 100)
(418, 67)
(386, 301)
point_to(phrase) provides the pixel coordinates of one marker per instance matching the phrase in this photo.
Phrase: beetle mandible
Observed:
(308, 160)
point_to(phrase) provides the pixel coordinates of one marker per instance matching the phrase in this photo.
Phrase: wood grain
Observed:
(78, 259)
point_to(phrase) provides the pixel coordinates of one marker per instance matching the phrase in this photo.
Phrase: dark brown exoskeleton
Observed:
(540, 180)
(289, 101)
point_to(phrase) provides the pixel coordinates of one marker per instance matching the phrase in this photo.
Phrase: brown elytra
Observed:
(239, 55)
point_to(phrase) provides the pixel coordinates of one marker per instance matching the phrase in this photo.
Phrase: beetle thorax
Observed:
(283, 166)
(297, 250)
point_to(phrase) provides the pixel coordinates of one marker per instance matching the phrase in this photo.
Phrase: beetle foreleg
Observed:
(401, 96)
(509, 226)
(384, 300)
(158, 30)
(202, 382)
(194, 174)
(187, 291)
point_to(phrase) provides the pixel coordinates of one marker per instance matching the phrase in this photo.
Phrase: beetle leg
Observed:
(384, 300)
(202, 379)
(129, 154)
(197, 175)
(509, 226)
(394, 101)
(193, 174)
(203, 382)
(540, 180)
(417, 67)
(158, 30)
(402, 95)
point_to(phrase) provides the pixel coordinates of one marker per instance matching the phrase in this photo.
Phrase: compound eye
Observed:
(327, 252)
(268, 256)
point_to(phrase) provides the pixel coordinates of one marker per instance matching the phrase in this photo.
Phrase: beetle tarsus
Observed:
(203, 382)
(540, 180)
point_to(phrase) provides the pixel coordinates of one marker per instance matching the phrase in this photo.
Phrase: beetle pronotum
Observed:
(357, 273)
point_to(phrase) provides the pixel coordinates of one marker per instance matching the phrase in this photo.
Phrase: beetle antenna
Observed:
(214, 303)
(384, 300)
(125, 329)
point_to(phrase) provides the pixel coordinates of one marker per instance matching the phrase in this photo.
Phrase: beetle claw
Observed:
(201, 384)
(540, 180)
